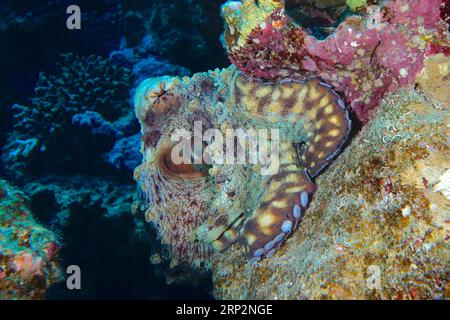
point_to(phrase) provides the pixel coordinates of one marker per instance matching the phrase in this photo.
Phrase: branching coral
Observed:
(78, 85)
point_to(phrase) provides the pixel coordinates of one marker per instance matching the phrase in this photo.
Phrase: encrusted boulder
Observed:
(378, 226)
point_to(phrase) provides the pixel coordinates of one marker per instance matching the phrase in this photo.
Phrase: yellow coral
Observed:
(355, 4)
(434, 78)
(246, 16)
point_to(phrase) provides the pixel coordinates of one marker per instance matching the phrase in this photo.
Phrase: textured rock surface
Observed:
(435, 78)
(32, 35)
(383, 205)
(28, 251)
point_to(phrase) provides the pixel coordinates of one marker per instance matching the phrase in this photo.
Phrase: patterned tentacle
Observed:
(331, 127)
(309, 100)
(286, 199)
(229, 236)
(327, 126)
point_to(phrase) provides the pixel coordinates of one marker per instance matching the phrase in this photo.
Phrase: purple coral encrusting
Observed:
(364, 59)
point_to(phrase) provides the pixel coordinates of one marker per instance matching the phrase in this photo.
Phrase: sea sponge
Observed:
(364, 57)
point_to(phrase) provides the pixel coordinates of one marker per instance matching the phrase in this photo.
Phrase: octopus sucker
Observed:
(198, 213)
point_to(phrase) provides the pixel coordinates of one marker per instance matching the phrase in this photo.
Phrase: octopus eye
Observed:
(190, 170)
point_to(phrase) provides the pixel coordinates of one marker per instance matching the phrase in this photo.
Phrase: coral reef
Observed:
(85, 104)
(319, 17)
(377, 228)
(201, 208)
(205, 207)
(28, 251)
(125, 153)
(301, 69)
(73, 144)
(364, 58)
(64, 102)
(52, 197)
(143, 61)
(112, 238)
(32, 35)
(356, 4)
(185, 31)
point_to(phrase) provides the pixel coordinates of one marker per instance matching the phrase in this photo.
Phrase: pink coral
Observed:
(28, 265)
(364, 59)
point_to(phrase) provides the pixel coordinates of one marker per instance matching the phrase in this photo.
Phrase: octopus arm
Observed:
(289, 192)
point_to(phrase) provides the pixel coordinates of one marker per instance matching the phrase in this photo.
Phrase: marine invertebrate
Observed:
(28, 252)
(201, 208)
(312, 99)
(364, 58)
(289, 191)
(23, 22)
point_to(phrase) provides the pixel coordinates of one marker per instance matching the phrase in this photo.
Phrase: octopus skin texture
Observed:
(198, 211)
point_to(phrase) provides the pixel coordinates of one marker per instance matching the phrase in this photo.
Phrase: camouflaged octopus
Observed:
(197, 210)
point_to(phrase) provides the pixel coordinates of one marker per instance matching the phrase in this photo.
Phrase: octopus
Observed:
(201, 209)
